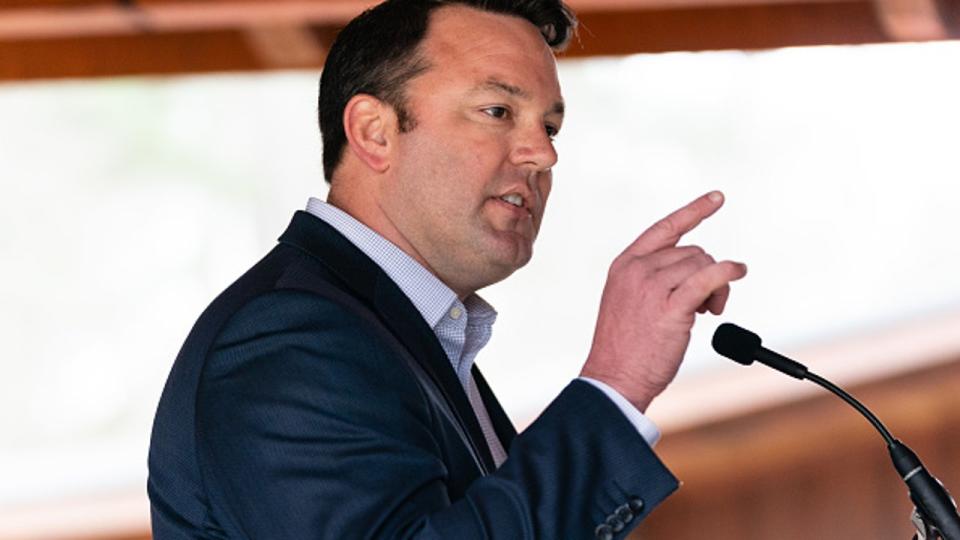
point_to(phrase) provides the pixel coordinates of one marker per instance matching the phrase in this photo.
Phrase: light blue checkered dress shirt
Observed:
(462, 328)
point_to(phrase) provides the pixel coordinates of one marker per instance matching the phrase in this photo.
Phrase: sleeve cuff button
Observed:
(604, 532)
(615, 524)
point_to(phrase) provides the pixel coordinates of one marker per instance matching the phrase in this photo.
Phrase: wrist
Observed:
(639, 395)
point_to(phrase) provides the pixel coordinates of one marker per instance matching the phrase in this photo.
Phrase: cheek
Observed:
(482, 154)
(453, 158)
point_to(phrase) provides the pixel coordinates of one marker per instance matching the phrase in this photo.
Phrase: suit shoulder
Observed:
(299, 336)
(295, 311)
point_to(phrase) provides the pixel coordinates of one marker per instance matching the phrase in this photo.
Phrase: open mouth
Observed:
(513, 198)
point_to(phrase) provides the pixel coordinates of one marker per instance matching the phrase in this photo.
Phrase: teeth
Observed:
(513, 199)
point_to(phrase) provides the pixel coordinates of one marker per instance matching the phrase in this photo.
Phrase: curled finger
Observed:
(718, 300)
(698, 288)
(673, 275)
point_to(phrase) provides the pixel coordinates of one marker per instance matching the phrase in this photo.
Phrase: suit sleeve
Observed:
(309, 427)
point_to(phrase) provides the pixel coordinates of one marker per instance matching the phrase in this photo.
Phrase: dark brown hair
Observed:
(377, 54)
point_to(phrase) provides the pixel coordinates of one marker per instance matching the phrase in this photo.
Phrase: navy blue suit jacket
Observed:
(311, 400)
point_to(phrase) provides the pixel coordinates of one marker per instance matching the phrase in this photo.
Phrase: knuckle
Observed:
(693, 250)
(624, 263)
(664, 227)
(619, 262)
(701, 260)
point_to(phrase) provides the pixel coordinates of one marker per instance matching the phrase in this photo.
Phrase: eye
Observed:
(497, 111)
(552, 131)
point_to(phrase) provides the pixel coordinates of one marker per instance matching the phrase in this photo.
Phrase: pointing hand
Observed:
(654, 290)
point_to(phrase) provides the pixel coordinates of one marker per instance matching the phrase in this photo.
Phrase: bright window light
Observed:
(131, 203)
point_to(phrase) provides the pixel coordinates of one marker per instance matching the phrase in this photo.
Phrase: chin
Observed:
(505, 254)
(500, 267)
(518, 261)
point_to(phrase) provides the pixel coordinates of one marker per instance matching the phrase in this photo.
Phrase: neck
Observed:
(358, 199)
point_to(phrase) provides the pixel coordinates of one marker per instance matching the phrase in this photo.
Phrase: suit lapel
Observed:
(501, 422)
(374, 288)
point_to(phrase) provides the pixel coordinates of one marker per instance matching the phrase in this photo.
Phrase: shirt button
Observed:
(455, 312)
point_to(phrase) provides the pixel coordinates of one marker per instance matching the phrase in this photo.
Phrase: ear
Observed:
(369, 125)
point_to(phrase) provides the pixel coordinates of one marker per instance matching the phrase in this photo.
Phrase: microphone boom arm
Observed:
(856, 405)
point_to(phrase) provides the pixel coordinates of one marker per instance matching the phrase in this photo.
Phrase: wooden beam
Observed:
(280, 47)
(76, 38)
(107, 56)
(735, 27)
(916, 20)
(123, 515)
(155, 16)
(41, 19)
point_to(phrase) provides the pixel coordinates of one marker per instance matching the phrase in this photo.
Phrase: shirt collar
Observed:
(430, 296)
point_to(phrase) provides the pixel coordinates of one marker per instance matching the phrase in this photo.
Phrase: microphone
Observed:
(743, 346)
(934, 506)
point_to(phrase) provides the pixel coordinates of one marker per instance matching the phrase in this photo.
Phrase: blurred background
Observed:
(152, 150)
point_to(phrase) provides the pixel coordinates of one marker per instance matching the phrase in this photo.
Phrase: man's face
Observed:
(471, 179)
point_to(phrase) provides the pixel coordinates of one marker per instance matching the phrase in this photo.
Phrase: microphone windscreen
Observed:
(737, 344)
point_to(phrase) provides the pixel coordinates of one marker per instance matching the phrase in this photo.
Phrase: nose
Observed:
(533, 149)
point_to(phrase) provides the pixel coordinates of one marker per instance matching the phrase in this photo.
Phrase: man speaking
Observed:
(331, 391)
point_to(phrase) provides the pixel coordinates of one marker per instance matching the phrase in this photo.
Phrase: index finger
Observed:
(668, 231)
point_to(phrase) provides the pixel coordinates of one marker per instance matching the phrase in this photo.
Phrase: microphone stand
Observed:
(935, 512)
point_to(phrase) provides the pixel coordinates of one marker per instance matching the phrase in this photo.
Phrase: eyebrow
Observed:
(497, 85)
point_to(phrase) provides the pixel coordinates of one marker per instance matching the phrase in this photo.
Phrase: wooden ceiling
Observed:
(42, 39)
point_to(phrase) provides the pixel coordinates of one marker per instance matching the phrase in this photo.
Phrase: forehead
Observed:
(478, 45)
